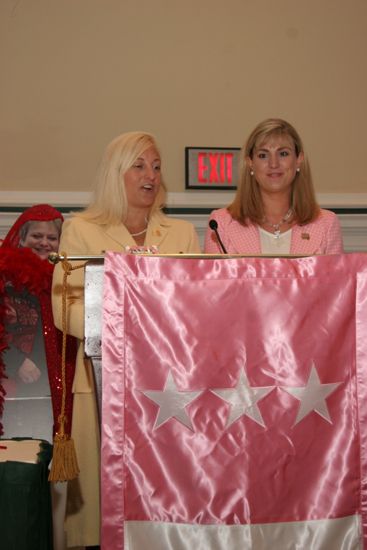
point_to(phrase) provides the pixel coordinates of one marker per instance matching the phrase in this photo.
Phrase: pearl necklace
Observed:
(276, 226)
(140, 232)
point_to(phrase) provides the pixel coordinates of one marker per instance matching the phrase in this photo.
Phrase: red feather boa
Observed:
(24, 269)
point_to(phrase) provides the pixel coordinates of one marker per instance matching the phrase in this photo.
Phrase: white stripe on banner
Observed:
(332, 534)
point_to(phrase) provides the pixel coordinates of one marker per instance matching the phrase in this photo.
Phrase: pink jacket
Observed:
(323, 236)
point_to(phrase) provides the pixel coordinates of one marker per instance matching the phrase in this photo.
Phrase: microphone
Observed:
(214, 226)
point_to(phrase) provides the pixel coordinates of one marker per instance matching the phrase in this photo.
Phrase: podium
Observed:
(93, 290)
(93, 301)
(207, 370)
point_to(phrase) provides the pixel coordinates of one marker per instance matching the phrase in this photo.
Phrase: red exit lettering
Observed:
(215, 167)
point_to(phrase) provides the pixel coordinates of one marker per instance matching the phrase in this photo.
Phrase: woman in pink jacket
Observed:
(275, 210)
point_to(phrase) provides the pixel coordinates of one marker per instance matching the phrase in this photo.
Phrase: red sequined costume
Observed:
(23, 269)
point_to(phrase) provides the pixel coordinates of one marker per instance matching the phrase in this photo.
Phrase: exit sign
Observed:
(212, 168)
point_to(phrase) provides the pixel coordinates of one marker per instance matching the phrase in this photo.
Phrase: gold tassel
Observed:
(64, 465)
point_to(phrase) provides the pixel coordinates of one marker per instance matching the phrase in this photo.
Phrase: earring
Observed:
(251, 172)
(298, 170)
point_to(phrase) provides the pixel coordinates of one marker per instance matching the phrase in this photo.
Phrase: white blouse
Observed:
(272, 244)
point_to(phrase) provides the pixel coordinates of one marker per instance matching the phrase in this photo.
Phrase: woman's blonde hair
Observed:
(247, 205)
(109, 202)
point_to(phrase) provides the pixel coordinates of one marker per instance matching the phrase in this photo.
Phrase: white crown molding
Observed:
(354, 225)
(342, 200)
(197, 199)
(218, 199)
(55, 198)
(186, 199)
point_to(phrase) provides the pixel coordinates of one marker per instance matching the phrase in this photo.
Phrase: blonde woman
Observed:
(125, 212)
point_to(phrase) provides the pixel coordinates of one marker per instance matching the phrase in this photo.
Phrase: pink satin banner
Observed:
(233, 391)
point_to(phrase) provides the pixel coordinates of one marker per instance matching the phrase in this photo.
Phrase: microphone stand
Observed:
(214, 226)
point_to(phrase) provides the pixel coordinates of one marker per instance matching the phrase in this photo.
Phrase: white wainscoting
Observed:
(353, 223)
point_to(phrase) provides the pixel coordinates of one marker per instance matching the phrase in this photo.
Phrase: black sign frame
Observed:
(226, 160)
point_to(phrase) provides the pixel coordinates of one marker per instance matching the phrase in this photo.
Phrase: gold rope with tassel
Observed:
(64, 466)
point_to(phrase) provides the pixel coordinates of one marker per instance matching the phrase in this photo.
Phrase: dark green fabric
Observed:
(25, 505)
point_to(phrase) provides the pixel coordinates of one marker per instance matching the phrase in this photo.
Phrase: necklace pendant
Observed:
(277, 233)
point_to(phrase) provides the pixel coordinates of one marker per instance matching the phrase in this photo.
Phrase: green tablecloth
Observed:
(25, 504)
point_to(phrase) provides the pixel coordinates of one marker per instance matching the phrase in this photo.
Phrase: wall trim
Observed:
(194, 207)
(186, 199)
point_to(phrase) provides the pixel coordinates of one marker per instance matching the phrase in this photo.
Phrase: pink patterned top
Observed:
(322, 236)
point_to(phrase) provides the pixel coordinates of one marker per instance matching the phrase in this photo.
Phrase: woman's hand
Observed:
(10, 311)
(29, 372)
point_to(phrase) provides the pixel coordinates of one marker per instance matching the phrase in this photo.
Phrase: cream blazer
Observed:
(80, 237)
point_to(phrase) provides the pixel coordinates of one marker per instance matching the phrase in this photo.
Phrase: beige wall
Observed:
(75, 73)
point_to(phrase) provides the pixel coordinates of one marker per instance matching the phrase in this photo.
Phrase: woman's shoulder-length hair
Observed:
(109, 204)
(247, 205)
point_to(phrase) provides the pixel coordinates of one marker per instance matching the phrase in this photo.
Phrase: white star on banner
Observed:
(172, 402)
(313, 396)
(243, 400)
